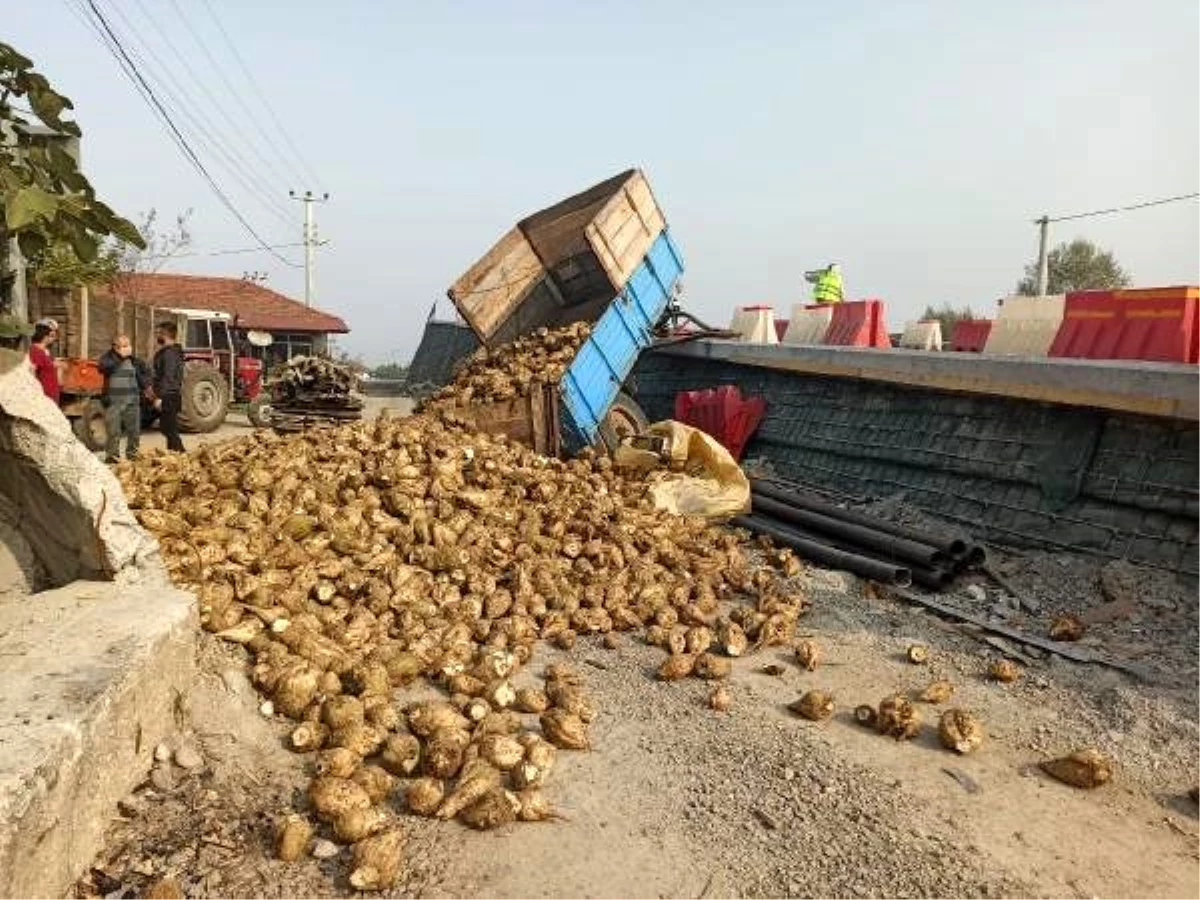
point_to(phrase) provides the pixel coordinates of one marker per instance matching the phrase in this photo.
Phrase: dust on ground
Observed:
(678, 800)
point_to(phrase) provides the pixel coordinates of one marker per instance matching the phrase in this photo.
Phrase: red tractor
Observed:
(216, 375)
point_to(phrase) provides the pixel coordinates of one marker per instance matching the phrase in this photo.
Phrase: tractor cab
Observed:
(216, 374)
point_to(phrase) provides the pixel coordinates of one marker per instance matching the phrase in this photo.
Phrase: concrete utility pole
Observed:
(308, 198)
(1043, 279)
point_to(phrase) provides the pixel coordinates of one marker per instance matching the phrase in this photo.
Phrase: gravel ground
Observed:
(678, 800)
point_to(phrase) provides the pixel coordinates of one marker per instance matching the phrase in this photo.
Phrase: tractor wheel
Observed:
(258, 411)
(625, 419)
(89, 426)
(205, 398)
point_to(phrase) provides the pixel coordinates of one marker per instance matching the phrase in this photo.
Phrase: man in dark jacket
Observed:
(168, 383)
(125, 379)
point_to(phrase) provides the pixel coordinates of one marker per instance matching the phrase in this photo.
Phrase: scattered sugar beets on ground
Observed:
(353, 561)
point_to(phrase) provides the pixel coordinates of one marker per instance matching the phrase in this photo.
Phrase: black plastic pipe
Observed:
(825, 555)
(933, 579)
(953, 546)
(898, 548)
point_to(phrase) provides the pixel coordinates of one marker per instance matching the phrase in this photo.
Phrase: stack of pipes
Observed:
(868, 546)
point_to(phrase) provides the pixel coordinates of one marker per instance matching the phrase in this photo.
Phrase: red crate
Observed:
(970, 335)
(1157, 325)
(859, 323)
(723, 413)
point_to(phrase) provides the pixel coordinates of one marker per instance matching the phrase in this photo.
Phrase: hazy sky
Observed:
(911, 142)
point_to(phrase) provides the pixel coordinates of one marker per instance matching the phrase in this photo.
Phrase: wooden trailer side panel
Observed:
(490, 291)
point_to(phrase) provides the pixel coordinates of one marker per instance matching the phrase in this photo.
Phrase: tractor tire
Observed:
(205, 399)
(259, 410)
(89, 426)
(624, 419)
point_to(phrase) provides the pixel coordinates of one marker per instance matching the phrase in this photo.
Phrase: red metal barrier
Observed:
(860, 323)
(970, 335)
(723, 413)
(1157, 324)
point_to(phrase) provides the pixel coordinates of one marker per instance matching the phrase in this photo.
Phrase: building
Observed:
(294, 329)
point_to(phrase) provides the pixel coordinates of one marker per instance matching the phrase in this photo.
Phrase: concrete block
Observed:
(922, 336)
(756, 324)
(1025, 326)
(808, 326)
(72, 509)
(89, 677)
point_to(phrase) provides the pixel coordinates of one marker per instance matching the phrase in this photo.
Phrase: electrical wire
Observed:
(255, 120)
(284, 179)
(1117, 209)
(203, 131)
(113, 44)
(253, 82)
(223, 252)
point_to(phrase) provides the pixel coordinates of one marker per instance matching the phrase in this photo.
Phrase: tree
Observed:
(49, 206)
(1076, 266)
(392, 370)
(949, 316)
(159, 245)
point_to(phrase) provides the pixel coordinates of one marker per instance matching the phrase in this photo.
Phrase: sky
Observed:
(912, 143)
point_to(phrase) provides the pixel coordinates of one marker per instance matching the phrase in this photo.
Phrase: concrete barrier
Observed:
(808, 325)
(89, 674)
(922, 336)
(1025, 326)
(755, 324)
(95, 644)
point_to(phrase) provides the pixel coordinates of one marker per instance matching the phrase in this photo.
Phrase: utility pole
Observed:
(308, 198)
(1043, 279)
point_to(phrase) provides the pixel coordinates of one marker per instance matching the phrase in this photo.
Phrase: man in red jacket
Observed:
(45, 333)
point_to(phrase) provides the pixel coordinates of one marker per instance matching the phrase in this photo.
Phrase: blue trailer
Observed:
(604, 256)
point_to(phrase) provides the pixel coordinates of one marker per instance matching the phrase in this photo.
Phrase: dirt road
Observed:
(237, 425)
(678, 800)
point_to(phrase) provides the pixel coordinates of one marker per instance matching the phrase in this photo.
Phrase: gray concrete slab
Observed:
(1169, 390)
(89, 675)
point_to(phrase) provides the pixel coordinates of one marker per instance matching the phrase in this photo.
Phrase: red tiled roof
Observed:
(255, 306)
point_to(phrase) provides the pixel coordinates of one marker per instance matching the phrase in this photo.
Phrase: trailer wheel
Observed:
(624, 419)
(89, 426)
(205, 398)
(259, 410)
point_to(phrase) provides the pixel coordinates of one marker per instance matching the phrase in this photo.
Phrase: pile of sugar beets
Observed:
(354, 561)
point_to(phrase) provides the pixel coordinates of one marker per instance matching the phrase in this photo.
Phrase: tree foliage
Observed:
(1076, 266)
(48, 204)
(392, 370)
(948, 315)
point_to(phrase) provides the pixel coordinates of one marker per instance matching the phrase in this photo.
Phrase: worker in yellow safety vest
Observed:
(827, 284)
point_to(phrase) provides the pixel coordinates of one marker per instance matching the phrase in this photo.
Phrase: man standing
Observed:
(168, 383)
(45, 333)
(827, 284)
(125, 378)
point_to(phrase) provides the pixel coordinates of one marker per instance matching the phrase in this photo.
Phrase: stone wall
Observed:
(1013, 471)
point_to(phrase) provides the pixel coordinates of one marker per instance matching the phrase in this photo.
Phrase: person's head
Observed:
(833, 267)
(121, 345)
(166, 333)
(45, 332)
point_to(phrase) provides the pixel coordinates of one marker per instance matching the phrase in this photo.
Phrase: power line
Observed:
(230, 252)
(308, 170)
(129, 68)
(201, 82)
(221, 72)
(1117, 209)
(203, 130)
